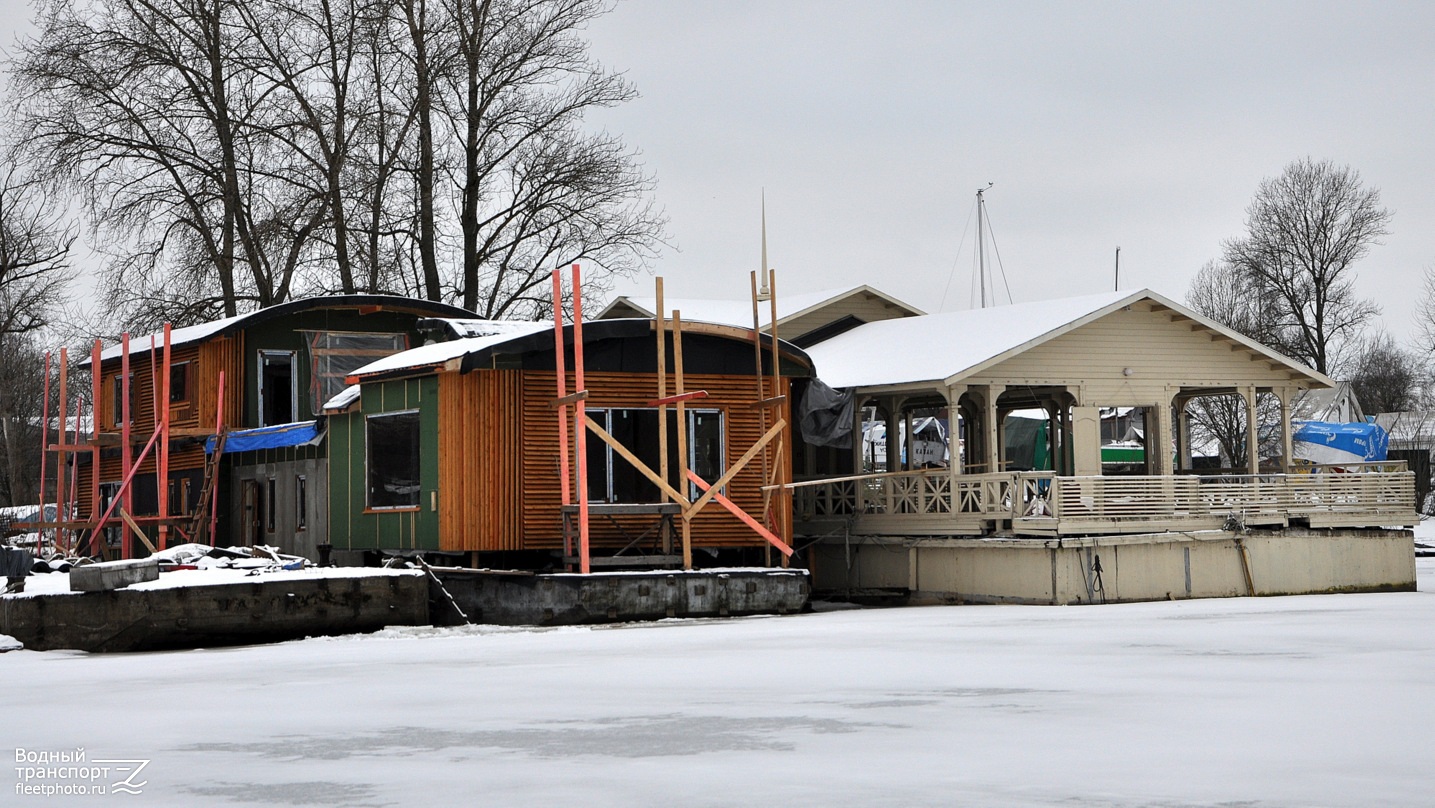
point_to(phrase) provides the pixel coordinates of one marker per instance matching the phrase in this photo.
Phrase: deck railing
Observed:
(1042, 503)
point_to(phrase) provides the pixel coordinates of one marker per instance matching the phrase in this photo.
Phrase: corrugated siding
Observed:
(541, 520)
(480, 496)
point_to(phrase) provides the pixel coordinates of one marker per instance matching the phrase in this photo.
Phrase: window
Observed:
(333, 355)
(393, 461)
(117, 416)
(179, 496)
(613, 479)
(179, 383)
(301, 503)
(276, 388)
(113, 531)
(270, 505)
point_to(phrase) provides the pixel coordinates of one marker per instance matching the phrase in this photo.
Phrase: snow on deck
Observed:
(1320, 700)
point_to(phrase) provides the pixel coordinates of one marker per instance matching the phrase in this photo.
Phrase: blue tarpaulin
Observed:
(303, 433)
(1321, 442)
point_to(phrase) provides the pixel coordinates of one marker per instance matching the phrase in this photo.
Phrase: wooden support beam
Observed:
(571, 398)
(666, 400)
(633, 460)
(735, 468)
(136, 528)
(775, 401)
(742, 515)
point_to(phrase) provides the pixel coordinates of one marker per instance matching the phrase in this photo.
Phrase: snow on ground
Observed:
(1260, 702)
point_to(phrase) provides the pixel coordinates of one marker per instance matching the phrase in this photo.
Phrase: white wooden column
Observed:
(954, 427)
(1183, 433)
(993, 428)
(1253, 444)
(1158, 449)
(1286, 395)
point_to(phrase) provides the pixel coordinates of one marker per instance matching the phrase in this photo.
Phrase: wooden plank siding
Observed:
(354, 526)
(480, 491)
(1160, 354)
(714, 527)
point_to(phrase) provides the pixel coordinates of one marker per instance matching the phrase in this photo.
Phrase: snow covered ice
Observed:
(1262, 702)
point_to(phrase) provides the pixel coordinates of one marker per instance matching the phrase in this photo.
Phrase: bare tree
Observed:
(1305, 230)
(238, 154)
(1385, 377)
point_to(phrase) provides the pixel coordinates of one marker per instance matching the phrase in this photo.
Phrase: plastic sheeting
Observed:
(826, 418)
(1325, 443)
(303, 433)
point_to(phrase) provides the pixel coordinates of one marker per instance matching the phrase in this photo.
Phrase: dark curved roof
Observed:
(229, 325)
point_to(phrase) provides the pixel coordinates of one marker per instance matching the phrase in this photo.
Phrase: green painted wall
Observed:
(351, 526)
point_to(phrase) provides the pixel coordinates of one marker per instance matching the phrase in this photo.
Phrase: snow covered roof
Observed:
(342, 399)
(226, 325)
(463, 328)
(739, 312)
(888, 352)
(439, 353)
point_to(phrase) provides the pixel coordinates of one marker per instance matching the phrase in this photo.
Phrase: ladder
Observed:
(200, 524)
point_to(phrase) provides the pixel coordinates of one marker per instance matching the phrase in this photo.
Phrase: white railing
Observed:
(1043, 503)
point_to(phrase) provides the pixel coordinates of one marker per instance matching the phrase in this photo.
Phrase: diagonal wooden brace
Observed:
(642, 467)
(741, 514)
(736, 467)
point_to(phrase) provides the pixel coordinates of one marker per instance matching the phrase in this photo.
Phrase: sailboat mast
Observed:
(982, 243)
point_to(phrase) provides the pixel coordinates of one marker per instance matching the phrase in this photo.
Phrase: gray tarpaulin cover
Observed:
(827, 416)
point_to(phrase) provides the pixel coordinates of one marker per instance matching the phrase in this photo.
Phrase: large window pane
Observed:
(611, 478)
(394, 460)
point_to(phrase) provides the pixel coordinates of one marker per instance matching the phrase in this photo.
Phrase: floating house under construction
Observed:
(384, 425)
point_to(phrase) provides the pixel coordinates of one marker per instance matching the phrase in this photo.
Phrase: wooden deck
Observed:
(937, 503)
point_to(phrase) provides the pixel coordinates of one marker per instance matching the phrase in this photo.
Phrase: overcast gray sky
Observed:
(1143, 125)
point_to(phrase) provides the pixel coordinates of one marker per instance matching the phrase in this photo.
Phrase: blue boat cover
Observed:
(302, 433)
(1322, 442)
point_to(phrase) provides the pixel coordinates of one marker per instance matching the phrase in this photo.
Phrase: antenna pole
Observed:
(1117, 288)
(762, 272)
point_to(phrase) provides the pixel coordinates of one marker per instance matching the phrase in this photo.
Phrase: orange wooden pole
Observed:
(560, 364)
(96, 536)
(126, 450)
(162, 465)
(581, 431)
(214, 485)
(60, 498)
(45, 451)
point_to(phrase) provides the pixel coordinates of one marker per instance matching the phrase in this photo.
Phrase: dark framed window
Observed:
(179, 383)
(118, 400)
(333, 355)
(393, 460)
(613, 479)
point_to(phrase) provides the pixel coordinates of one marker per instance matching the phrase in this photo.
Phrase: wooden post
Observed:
(214, 486)
(96, 536)
(162, 464)
(660, 326)
(682, 438)
(45, 452)
(60, 454)
(584, 560)
(560, 366)
(778, 518)
(126, 429)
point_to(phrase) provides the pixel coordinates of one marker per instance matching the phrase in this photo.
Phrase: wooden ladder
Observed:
(211, 477)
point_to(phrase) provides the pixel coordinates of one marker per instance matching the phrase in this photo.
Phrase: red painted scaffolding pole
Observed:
(162, 463)
(96, 535)
(60, 499)
(560, 366)
(214, 493)
(580, 424)
(45, 451)
(126, 449)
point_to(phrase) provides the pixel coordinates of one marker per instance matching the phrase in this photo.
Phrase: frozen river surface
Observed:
(1300, 701)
